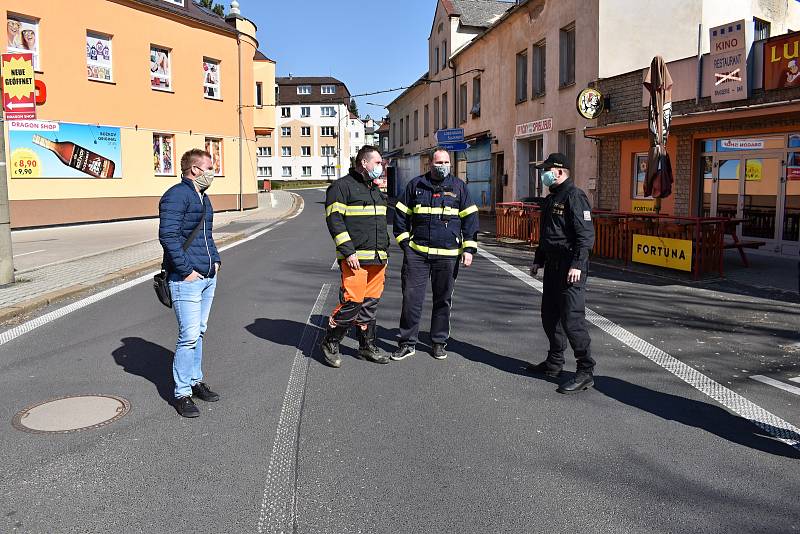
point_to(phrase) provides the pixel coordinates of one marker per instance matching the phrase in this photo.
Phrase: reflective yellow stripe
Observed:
(337, 207)
(402, 237)
(366, 211)
(435, 251)
(470, 244)
(403, 208)
(344, 237)
(467, 211)
(366, 254)
(438, 210)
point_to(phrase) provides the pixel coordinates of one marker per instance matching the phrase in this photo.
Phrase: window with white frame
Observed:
(305, 151)
(328, 89)
(286, 112)
(305, 111)
(286, 172)
(98, 57)
(327, 170)
(214, 147)
(265, 172)
(286, 151)
(286, 131)
(160, 68)
(265, 151)
(327, 131)
(303, 89)
(23, 37)
(306, 171)
(328, 150)
(211, 83)
(328, 111)
(163, 154)
(305, 131)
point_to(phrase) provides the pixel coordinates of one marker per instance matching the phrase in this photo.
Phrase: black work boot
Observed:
(438, 352)
(330, 344)
(366, 345)
(583, 380)
(544, 368)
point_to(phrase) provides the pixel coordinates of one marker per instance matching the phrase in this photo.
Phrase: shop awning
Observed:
(704, 117)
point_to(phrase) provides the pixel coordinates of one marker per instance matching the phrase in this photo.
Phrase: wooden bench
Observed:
(740, 245)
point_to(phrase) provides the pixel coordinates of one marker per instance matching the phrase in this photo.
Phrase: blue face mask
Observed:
(376, 172)
(548, 178)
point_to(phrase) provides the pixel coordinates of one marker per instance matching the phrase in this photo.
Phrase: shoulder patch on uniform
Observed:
(587, 215)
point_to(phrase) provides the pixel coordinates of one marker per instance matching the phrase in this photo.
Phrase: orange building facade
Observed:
(137, 83)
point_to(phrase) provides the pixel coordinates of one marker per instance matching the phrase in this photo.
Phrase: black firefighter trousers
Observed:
(417, 269)
(564, 314)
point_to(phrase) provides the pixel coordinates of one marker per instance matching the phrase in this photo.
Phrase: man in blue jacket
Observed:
(192, 268)
(436, 225)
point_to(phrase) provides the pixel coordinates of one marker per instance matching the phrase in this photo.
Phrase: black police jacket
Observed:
(437, 218)
(566, 225)
(355, 212)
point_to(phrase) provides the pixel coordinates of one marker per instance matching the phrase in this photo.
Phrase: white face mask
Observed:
(376, 171)
(203, 181)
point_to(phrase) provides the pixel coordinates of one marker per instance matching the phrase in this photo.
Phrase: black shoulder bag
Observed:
(160, 282)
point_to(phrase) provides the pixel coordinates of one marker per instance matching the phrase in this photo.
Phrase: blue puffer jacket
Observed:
(179, 211)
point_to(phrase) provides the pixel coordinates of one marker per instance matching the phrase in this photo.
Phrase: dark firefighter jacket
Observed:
(567, 227)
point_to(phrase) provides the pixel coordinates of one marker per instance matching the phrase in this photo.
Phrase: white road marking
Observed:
(24, 328)
(795, 379)
(278, 505)
(777, 383)
(774, 425)
(27, 253)
(335, 265)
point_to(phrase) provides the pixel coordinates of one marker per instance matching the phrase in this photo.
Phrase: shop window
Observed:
(160, 69)
(211, 82)
(214, 147)
(23, 37)
(98, 57)
(639, 175)
(163, 154)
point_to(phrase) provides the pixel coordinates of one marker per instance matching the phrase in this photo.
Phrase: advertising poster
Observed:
(44, 149)
(98, 58)
(781, 62)
(23, 38)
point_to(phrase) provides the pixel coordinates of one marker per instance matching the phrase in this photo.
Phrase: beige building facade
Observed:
(509, 74)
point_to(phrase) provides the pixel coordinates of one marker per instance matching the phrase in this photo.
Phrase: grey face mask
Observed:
(441, 170)
(203, 181)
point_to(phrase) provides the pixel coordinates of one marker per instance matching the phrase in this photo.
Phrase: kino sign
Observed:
(729, 62)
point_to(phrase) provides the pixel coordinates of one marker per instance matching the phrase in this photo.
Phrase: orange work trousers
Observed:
(359, 294)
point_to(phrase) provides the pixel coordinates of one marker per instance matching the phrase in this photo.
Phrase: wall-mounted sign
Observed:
(44, 149)
(782, 62)
(532, 128)
(647, 205)
(741, 144)
(450, 135)
(589, 103)
(729, 62)
(19, 88)
(663, 252)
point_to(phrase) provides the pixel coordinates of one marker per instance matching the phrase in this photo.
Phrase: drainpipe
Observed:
(240, 200)
(699, 63)
(453, 65)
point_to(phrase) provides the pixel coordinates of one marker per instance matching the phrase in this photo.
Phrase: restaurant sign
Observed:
(728, 62)
(782, 62)
(663, 252)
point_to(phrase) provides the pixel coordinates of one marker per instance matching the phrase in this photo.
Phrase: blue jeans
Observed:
(192, 304)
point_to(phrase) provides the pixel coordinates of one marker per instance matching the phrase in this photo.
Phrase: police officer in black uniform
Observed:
(567, 238)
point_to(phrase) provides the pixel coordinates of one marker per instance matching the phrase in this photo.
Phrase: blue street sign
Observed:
(455, 147)
(450, 135)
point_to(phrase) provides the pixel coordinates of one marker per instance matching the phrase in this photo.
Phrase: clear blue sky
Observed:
(369, 45)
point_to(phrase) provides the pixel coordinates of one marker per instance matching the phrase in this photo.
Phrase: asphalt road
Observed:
(468, 444)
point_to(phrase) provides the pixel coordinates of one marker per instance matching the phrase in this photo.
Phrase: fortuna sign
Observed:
(663, 252)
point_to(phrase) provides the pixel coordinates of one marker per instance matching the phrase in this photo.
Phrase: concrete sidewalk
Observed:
(55, 263)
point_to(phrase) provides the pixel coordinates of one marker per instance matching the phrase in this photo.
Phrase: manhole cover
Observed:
(71, 414)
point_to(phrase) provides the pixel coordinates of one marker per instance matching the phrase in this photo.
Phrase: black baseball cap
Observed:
(556, 160)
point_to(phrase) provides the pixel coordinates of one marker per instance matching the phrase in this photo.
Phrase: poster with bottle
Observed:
(45, 149)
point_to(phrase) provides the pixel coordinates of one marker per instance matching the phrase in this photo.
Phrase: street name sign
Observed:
(450, 135)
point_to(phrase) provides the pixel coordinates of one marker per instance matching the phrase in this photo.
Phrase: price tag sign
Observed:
(25, 163)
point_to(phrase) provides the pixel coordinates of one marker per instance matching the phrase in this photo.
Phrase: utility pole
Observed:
(6, 254)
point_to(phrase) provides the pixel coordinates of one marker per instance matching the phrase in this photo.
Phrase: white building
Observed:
(357, 134)
(312, 138)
